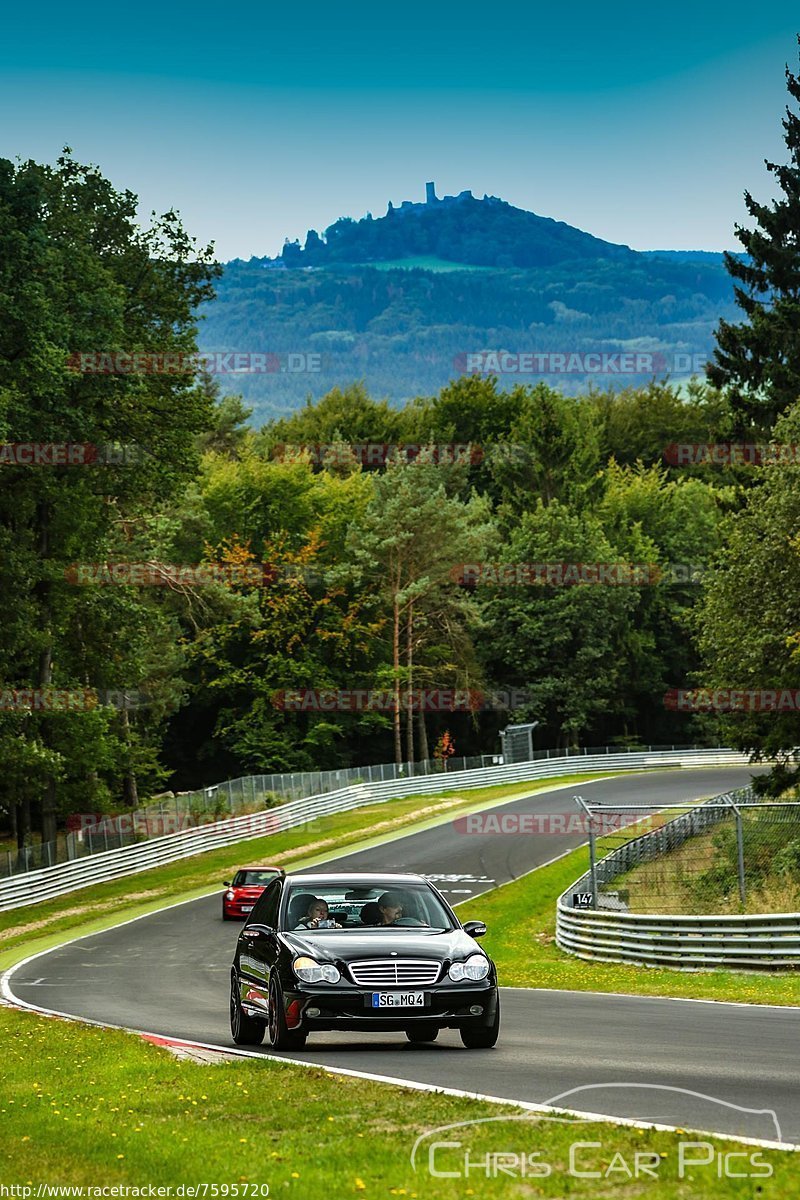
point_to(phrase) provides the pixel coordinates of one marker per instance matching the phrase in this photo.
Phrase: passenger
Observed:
(317, 917)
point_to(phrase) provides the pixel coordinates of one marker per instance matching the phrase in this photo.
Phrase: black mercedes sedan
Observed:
(360, 952)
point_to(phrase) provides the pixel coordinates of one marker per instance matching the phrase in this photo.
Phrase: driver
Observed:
(391, 907)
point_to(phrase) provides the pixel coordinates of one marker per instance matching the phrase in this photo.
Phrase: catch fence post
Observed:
(739, 851)
(592, 849)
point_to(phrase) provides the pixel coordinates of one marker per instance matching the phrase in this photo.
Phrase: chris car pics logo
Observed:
(520, 1146)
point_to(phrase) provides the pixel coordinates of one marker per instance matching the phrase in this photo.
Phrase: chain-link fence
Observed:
(92, 833)
(732, 854)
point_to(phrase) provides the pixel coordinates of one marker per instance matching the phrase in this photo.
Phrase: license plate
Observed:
(247, 907)
(397, 1000)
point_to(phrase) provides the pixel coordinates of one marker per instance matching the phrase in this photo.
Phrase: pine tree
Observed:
(758, 361)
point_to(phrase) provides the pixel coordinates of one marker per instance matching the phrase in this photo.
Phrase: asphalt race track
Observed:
(683, 1063)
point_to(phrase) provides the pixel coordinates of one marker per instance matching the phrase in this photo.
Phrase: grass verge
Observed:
(87, 1107)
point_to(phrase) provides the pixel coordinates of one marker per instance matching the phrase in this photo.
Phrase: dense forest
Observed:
(405, 331)
(185, 587)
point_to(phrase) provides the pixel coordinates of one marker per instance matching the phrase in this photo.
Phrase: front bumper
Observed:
(447, 1005)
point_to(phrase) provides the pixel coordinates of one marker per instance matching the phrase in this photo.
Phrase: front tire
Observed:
(280, 1036)
(482, 1037)
(245, 1031)
(419, 1034)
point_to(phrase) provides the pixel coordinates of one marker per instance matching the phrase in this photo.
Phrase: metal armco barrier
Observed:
(683, 942)
(33, 886)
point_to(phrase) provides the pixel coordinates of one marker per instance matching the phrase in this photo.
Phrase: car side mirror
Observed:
(475, 929)
(226, 883)
(255, 931)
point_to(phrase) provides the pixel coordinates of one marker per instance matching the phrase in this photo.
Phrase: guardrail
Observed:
(93, 833)
(683, 942)
(50, 882)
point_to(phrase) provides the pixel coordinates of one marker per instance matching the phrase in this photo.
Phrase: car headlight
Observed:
(230, 895)
(310, 971)
(476, 967)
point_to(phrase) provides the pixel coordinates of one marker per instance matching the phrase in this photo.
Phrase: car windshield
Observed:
(253, 878)
(379, 906)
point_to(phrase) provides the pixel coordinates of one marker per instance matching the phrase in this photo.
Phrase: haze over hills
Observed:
(409, 300)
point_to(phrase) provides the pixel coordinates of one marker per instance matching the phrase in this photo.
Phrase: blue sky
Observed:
(640, 124)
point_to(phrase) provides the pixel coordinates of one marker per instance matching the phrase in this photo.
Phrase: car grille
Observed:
(394, 972)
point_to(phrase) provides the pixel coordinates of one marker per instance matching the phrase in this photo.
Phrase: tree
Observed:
(671, 526)
(306, 629)
(444, 749)
(637, 424)
(412, 535)
(749, 622)
(343, 414)
(758, 360)
(561, 645)
(79, 276)
(229, 431)
(553, 454)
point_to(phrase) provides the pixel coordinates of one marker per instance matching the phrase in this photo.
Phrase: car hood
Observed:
(349, 945)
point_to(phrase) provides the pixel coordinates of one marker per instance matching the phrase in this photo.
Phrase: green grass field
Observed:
(89, 1107)
(427, 262)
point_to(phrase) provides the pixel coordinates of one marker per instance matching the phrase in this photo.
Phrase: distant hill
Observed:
(707, 256)
(457, 229)
(406, 301)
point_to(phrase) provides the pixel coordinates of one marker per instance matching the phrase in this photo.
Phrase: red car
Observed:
(244, 889)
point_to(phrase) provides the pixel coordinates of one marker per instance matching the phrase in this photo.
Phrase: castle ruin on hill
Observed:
(432, 200)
